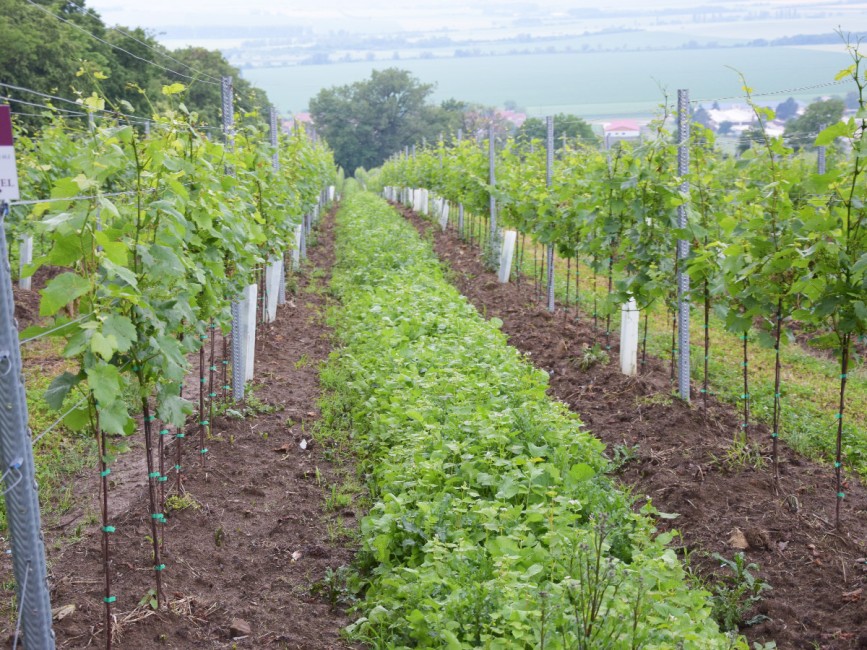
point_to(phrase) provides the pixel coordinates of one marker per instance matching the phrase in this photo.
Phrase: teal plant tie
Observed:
(203, 380)
(838, 416)
(846, 376)
(838, 465)
(225, 362)
(212, 394)
(154, 475)
(177, 468)
(163, 479)
(109, 599)
(159, 517)
(213, 368)
(775, 435)
(164, 432)
(160, 567)
(105, 473)
(204, 423)
(204, 337)
(841, 495)
(203, 451)
(227, 387)
(108, 529)
(180, 435)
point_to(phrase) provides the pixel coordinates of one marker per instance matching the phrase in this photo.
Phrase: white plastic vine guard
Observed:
(506, 254)
(629, 338)
(443, 211)
(25, 256)
(248, 330)
(296, 252)
(272, 283)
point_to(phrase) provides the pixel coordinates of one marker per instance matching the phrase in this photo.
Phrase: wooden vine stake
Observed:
(156, 516)
(107, 530)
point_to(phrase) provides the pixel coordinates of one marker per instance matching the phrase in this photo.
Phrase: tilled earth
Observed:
(674, 454)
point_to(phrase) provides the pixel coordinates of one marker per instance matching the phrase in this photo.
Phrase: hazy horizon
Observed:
(293, 49)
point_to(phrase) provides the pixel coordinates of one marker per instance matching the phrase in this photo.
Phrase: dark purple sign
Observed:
(5, 126)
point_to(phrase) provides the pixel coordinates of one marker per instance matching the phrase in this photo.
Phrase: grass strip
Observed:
(493, 524)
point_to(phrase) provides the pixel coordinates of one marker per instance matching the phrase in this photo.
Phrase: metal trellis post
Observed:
(549, 176)
(683, 244)
(494, 234)
(275, 162)
(460, 205)
(238, 369)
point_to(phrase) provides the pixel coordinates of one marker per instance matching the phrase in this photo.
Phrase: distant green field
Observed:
(594, 85)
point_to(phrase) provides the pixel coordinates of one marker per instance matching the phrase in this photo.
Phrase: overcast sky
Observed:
(161, 13)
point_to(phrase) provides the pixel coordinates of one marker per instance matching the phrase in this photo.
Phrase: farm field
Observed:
(591, 85)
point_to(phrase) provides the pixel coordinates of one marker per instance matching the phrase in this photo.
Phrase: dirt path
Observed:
(675, 455)
(248, 557)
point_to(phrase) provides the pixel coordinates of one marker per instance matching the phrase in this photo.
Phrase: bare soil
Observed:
(818, 574)
(246, 561)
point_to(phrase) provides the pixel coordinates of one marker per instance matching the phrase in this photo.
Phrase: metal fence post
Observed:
(460, 205)
(549, 177)
(821, 161)
(237, 338)
(16, 456)
(494, 241)
(683, 244)
(275, 163)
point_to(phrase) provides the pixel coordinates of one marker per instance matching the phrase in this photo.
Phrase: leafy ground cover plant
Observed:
(492, 523)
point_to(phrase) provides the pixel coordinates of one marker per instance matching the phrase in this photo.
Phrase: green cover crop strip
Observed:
(492, 523)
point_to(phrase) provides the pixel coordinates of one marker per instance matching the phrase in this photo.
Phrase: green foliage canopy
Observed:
(367, 121)
(570, 126)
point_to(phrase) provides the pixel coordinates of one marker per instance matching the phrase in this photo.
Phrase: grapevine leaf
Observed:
(828, 135)
(174, 89)
(59, 388)
(77, 419)
(105, 382)
(55, 221)
(114, 418)
(109, 207)
(102, 345)
(121, 272)
(174, 410)
(65, 251)
(121, 329)
(60, 291)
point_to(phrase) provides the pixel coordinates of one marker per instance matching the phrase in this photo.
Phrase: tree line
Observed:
(51, 54)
